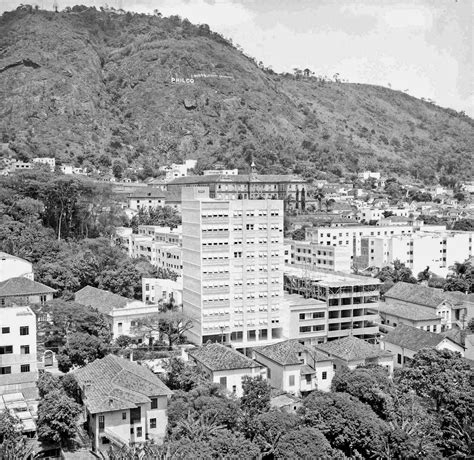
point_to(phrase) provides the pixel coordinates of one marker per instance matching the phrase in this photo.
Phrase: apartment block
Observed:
(232, 268)
(316, 256)
(18, 364)
(160, 245)
(352, 236)
(349, 300)
(417, 251)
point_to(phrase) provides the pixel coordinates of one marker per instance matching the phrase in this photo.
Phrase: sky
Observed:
(423, 46)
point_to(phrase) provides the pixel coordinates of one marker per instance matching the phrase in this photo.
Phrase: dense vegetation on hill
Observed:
(95, 87)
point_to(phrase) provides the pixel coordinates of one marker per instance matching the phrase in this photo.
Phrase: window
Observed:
(269, 373)
(25, 349)
(124, 416)
(25, 368)
(319, 314)
(153, 423)
(139, 431)
(302, 315)
(119, 326)
(131, 430)
(308, 378)
(324, 375)
(223, 382)
(154, 403)
(291, 381)
(6, 350)
(399, 358)
(101, 423)
(5, 370)
(24, 330)
(234, 389)
(5, 330)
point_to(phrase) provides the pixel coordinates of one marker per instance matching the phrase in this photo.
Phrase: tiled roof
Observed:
(286, 353)
(147, 192)
(426, 296)
(21, 286)
(217, 357)
(412, 338)
(104, 301)
(240, 178)
(114, 383)
(415, 293)
(411, 312)
(351, 348)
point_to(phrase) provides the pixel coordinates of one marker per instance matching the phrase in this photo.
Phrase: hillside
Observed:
(95, 87)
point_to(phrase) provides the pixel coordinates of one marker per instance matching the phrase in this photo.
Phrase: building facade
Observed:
(349, 299)
(232, 269)
(18, 361)
(14, 267)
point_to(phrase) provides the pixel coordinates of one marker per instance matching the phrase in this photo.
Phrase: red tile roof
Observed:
(114, 383)
(16, 287)
(217, 357)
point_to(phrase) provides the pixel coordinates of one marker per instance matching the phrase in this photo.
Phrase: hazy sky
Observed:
(425, 46)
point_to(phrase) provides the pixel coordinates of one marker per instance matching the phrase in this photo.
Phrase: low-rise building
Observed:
(312, 256)
(14, 267)
(393, 314)
(225, 366)
(24, 291)
(306, 319)
(122, 313)
(454, 308)
(352, 352)
(156, 290)
(18, 362)
(405, 341)
(295, 368)
(124, 403)
(146, 198)
(223, 172)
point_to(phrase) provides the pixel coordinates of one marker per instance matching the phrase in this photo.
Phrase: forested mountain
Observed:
(96, 87)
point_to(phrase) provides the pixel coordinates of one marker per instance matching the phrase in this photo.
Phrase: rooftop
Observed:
(287, 353)
(113, 383)
(412, 338)
(241, 178)
(425, 296)
(218, 357)
(103, 301)
(147, 192)
(20, 286)
(411, 312)
(351, 349)
(330, 279)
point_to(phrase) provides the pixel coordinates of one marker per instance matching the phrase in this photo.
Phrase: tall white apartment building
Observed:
(417, 251)
(232, 269)
(18, 363)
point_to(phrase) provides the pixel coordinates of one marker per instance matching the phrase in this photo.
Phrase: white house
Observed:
(295, 368)
(145, 198)
(405, 341)
(155, 290)
(225, 366)
(51, 162)
(13, 267)
(124, 403)
(352, 352)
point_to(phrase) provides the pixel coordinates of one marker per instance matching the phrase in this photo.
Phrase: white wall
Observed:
(13, 267)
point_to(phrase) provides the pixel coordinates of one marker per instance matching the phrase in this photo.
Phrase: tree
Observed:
(466, 225)
(170, 321)
(165, 216)
(57, 418)
(13, 444)
(443, 379)
(299, 235)
(396, 273)
(304, 442)
(81, 349)
(47, 383)
(123, 341)
(348, 424)
(461, 278)
(183, 376)
(370, 384)
(71, 387)
(256, 395)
